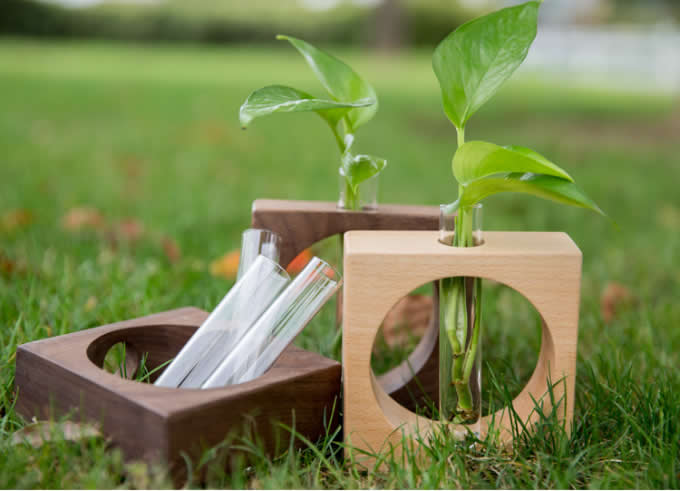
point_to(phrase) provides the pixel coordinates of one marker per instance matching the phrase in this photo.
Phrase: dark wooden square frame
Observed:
(61, 375)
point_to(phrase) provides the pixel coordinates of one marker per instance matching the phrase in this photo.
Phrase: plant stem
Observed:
(450, 295)
(471, 352)
(352, 201)
(463, 341)
(463, 238)
(339, 140)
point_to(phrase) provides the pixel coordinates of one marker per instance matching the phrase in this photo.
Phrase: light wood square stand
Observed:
(382, 267)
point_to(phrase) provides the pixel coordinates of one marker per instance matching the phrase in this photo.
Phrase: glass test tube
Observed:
(278, 326)
(254, 242)
(239, 309)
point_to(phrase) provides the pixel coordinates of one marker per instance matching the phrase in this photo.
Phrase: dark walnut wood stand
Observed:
(303, 223)
(63, 375)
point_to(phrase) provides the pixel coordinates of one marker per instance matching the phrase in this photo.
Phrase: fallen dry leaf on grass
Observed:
(129, 230)
(9, 267)
(171, 249)
(82, 218)
(208, 131)
(14, 219)
(131, 167)
(614, 297)
(226, 266)
(91, 303)
(41, 432)
(300, 261)
(410, 317)
(125, 231)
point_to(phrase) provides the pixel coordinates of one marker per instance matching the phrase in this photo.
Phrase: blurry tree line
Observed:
(389, 24)
(646, 10)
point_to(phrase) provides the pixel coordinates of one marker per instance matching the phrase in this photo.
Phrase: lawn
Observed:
(147, 140)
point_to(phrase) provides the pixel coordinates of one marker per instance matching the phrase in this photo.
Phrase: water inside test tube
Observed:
(227, 324)
(278, 325)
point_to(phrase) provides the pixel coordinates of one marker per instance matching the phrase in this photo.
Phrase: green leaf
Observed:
(477, 159)
(341, 82)
(282, 99)
(358, 168)
(473, 62)
(542, 186)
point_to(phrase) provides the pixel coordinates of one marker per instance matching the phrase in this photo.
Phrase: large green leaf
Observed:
(358, 168)
(472, 62)
(547, 187)
(341, 82)
(477, 159)
(282, 99)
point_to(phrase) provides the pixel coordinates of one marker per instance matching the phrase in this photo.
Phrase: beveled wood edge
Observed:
(51, 351)
(536, 389)
(187, 316)
(331, 208)
(314, 221)
(496, 244)
(275, 375)
(29, 357)
(397, 378)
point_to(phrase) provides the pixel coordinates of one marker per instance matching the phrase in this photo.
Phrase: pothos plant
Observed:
(471, 64)
(351, 103)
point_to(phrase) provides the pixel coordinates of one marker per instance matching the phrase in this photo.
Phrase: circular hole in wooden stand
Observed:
(511, 341)
(122, 360)
(135, 351)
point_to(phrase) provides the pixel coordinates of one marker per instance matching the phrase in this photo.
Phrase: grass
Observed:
(151, 134)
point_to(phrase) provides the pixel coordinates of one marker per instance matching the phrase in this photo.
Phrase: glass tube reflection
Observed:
(278, 326)
(227, 324)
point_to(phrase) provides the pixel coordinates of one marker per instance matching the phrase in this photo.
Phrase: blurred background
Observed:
(620, 42)
(125, 180)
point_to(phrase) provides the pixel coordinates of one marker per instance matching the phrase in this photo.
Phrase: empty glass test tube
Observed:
(255, 242)
(278, 326)
(239, 309)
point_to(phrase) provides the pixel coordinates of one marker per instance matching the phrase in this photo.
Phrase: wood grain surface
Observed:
(304, 223)
(380, 268)
(62, 375)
